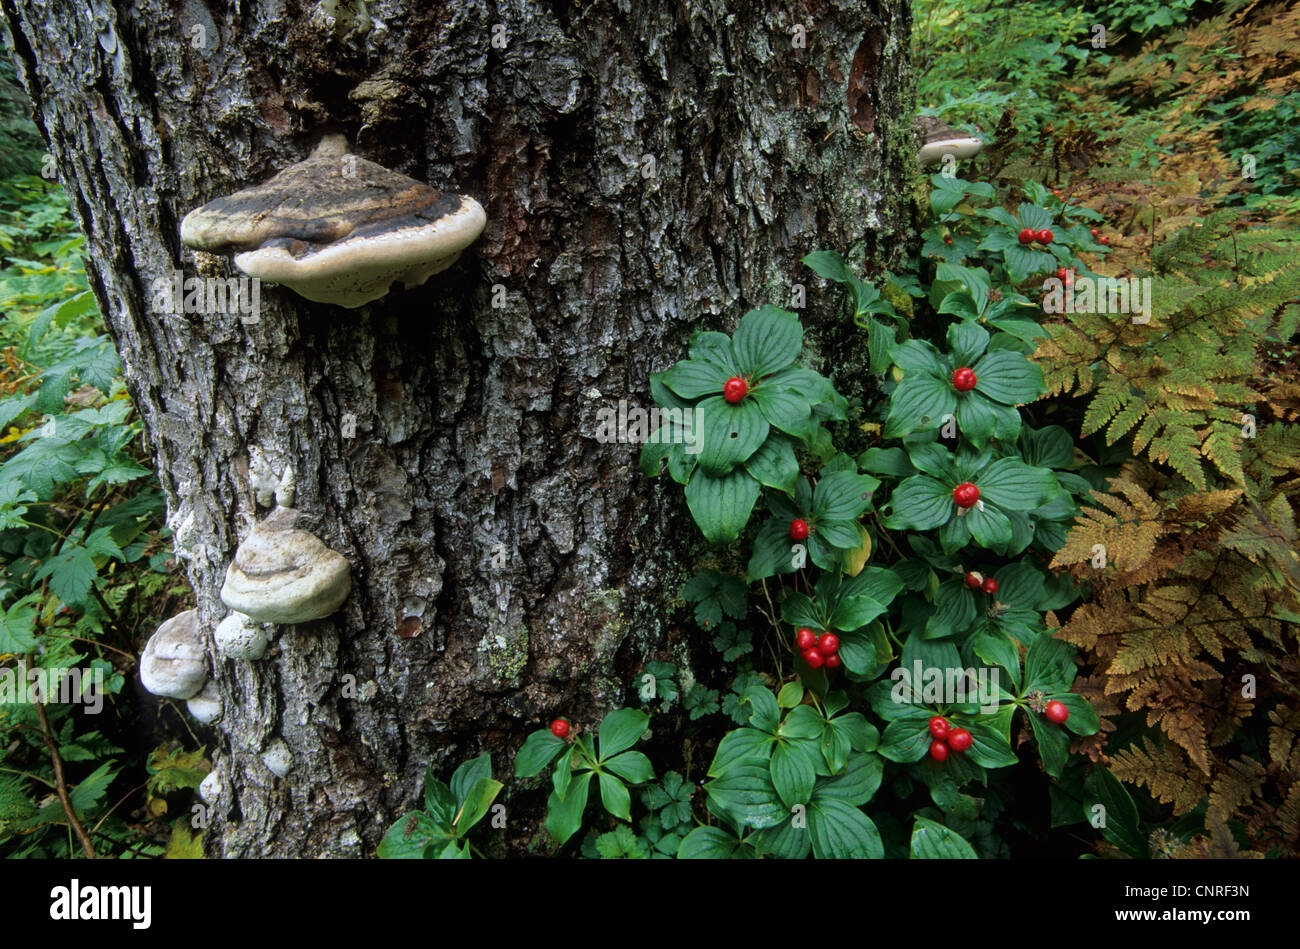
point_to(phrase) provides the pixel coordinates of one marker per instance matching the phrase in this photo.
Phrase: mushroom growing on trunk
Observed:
(336, 228)
(281, 574)
(173, 663)
(938, 140)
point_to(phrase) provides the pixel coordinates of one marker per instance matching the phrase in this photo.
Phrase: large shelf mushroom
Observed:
(173, 663)
(336, 228)
(281, 574)
(938, 140)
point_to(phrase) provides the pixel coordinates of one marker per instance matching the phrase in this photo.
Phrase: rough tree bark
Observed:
(647, 168)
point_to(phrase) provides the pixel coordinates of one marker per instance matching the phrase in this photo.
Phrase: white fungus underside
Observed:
(956, 147)
(357, 270)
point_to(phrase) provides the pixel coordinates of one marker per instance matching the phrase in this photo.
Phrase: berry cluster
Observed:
(1031, 236)
(1101, 238)
(816, 650)
(963, 380)
(560, 728)
(966, 494)
(977, 581)
(799, 529)
(947, 738)
(735, 389)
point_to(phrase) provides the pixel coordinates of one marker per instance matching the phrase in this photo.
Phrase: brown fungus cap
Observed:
(938, 140)
(336, 228)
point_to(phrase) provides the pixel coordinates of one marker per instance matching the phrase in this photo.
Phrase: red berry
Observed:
(1027, 236)
(798, 529)
(1057, 712)
(963, 380)
(832, 662)
(965, 494)
(1103, 240)
(939, 726)
(1056, 191)
(959, 739)
(1044, 236)
(973, 580)
(813, 658)
(1093, 231)
(828, 644)
(938, 751)
(805, 639)
(989, 586)
(735, 389)
(947, 239)
(560, 728)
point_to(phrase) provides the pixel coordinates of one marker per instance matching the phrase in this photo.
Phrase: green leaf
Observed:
(1053, 744)
(71, 573)
(721, 506)
(620, 730)
(564, 817)
(739, 745)
(919, 503)
(17, 628)
(615, 796)
(989, 526)
(537, 751)
(693, 378)
(408, 838)
(476, 803)
(774, 464)
(783, 408)
(841, 831)
(1119, 812)
(793, 772)
(768, 339)
(791, 694)
(712, 843)
(632, 766)
(919, 404)
(746, 795)
(931, 841)
(857, 783)
(728, 433)
(92, 788)
(843, 496)
(765, 714)
(464, 778)
(1012, 484)
(1008, 377)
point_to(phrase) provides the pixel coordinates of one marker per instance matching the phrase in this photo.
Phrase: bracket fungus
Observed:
(938, 140)
(205, 707)
(281, 574)
(173, 663)
(336, 228)
(278, 758)
(239, 637)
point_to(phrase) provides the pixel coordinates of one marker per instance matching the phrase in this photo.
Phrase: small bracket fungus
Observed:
(938, 140)
(278, 758)
(173, 664)
(205, 707)
(287, 488)
(261, 478)
(284, 575)
(239, 637)
(210, 787)
(336, 228)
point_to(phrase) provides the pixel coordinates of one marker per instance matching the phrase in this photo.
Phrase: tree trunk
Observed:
(648, 169)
